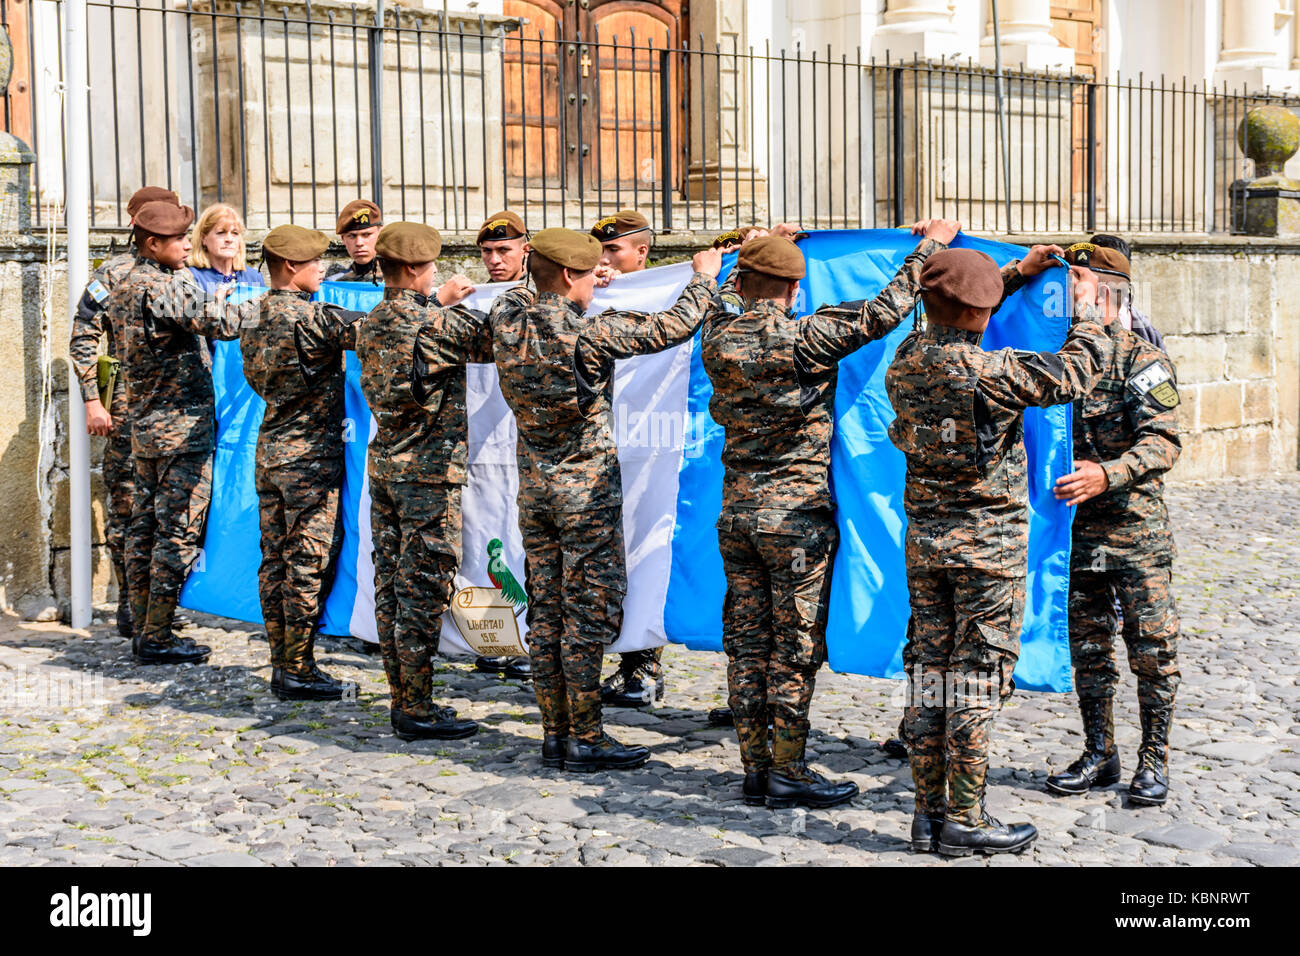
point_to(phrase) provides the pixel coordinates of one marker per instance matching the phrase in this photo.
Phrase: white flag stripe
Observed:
(650, 422)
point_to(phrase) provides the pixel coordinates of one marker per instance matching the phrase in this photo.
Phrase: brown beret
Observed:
(567, 248)
(412, 243)
(1099, 259)
(295, 243)
(622, 223)
(150, 194)
(502, 225)
(164, 218)
(358, 214)
(775, 256)
(964, 276)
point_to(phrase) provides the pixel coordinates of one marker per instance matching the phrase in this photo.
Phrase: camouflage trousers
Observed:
(119, 479)
(168, 513)
(1146, 619)
(298, 512)
(575, 567)
(415, 527)
(963, 643)
(778, 566)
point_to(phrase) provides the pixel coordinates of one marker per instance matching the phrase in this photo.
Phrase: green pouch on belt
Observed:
(106, 378)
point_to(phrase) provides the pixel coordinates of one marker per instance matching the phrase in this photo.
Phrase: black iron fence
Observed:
(288, 111)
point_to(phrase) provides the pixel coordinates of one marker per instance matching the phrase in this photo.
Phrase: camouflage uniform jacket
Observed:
(168, 367)
(556, 370)
(412, 354)
(355, 273)
(1128, 424)
(293, 358)
(774, 388)
(959, 422)
(92, 321)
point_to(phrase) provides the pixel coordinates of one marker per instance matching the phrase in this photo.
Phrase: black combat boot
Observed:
(1150, 786)
(491, 665)
(722, 717)
(800, 785)
(553, 748)
(441, 724)
(1099, 765)
(926, 828)
(631, 688)
(314, 685)
(987, 837)
(755, 789)
(605, 754)
(518, 668)
(125, 623)
(175, 651)
(896, 747)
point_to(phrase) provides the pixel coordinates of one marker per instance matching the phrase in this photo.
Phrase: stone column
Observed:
(721, 154)
(1249, 52)
(15, 162)
(1026, 34)
(917, 28)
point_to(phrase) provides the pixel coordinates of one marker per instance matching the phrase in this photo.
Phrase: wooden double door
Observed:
(584, 79)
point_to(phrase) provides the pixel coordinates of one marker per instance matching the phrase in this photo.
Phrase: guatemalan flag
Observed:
(670, 455)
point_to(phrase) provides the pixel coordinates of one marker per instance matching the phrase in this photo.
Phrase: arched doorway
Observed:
(583, 96)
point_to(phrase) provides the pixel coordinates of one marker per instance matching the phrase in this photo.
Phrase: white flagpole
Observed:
(76, 198)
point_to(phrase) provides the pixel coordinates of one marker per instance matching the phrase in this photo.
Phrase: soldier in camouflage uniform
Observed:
(556, 372)
(773, 392)
(358, 226)
(503, 246)
(959, 423)
(171, 403)
(1125, 439)
(417, 463)
(92, 322)
(293, 358)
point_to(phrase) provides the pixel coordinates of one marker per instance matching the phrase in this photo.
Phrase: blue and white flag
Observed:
(669, 451)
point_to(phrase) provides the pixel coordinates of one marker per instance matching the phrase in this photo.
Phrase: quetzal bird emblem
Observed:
(502, 579)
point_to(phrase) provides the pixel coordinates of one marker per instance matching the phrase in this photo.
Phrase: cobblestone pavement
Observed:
(201, 765)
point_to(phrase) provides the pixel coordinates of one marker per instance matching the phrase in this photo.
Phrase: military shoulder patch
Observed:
(97, 291)
(1154, 381)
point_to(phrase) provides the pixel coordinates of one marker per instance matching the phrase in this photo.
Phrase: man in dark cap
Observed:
(959, 423)
(774, 381)
(556, 370)
(1130, 317)
(417, 463)
(1125, 439)
(293, 358)
(358, 226)
(171, 405)
(625, 239)
(92, 322)
(503, 246)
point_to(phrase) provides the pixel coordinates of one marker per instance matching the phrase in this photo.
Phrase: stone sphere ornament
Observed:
(1269, 135)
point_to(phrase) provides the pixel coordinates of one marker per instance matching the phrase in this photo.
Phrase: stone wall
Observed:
(1227, 307)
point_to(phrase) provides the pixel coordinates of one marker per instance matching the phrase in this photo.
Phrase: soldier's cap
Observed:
(775, 256)
(163, 218)
(1100, 259)
(150, 194)
(964, 276)
(732, 237)
(358, 214)
(412, 243)
(568, 249)
(622, 223)
(502, 225)
(295, 244)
